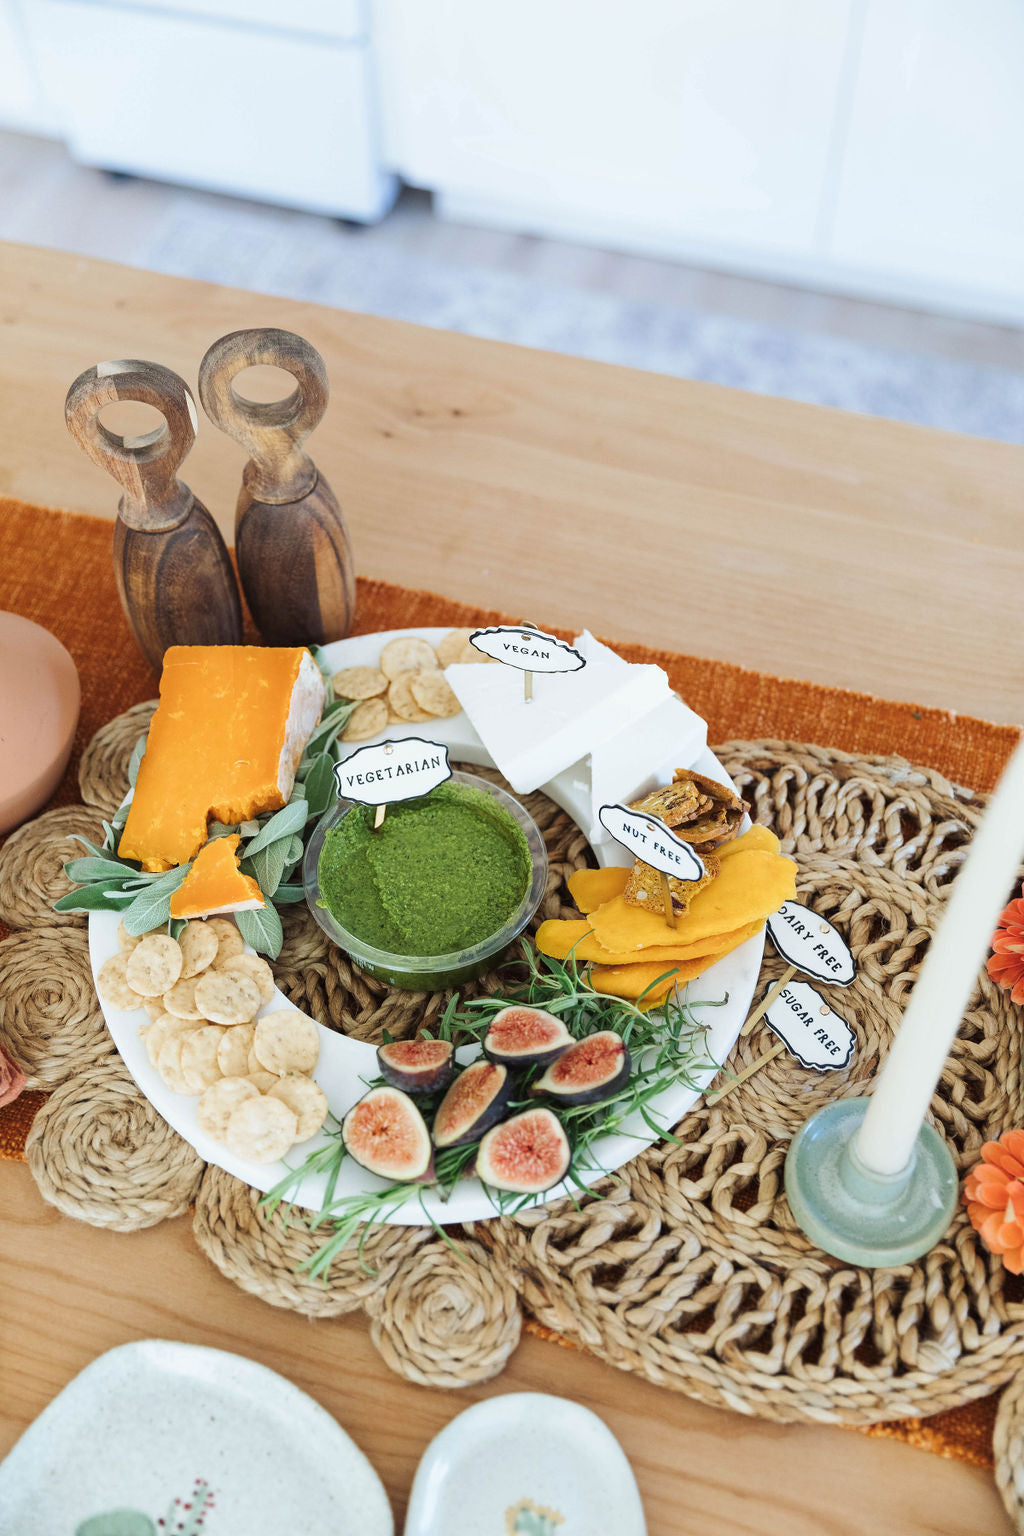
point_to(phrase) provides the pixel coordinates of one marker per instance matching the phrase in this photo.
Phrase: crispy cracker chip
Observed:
(127, 940)
(168, 1064)
(199, 946)
(450, 649)
(367, 719)
(227, 997)
(161, 1030)
(154, 1006)
(287, 1041)
(360, 683)
(199, 1065)
(402, 701)
(432, 693)
(181, 999)
(306, 1099)
(154, 965)
(261, 1130)
(219, 1103)
(113, 985)
(234, 1048)
(229, 940)
(257, 970)
(262, 1081)
(407, 654)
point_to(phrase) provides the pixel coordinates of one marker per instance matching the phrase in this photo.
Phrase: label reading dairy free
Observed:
(810, 1028)
(649, 839)
(811, 944)
(529, 649)
(393, 770)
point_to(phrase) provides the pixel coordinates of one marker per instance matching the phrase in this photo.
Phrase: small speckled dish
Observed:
(163, 1439)
(529, 1464)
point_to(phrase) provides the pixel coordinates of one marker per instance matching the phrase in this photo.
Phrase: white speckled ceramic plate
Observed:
(527, 1464)
(163, 1439)
(344, 1064)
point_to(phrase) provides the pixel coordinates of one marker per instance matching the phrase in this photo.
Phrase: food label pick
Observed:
(811, 944)
(650, 840)
(810, 1028)
(529, 649)
(393, 770)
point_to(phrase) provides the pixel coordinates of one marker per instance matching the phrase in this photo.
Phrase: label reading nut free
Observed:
(393, 770)
(531, 650)
(650, 840)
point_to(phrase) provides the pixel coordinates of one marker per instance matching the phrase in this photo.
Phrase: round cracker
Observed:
(287, 1041)
(181, 999)
(262, 1081)
(234, 1049)
(432, 693)
(450, 649)
(407, 654)
(168, 1064)
(227, 997)
(257, 970)
(367, 719)
(254, 1065)
(127, 940)
(219, 1102)
(199, 1064)
(229, 940)
(162, 1030)
(199, 946)
(154, 1006)
(402, 701)
(308, 1101)
(154, 965)
(360, 683)
(261, 1130)
(113, 986)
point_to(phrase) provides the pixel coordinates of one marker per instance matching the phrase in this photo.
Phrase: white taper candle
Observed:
(904, 1087)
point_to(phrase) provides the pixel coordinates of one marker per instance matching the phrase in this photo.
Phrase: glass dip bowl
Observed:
(339, 852)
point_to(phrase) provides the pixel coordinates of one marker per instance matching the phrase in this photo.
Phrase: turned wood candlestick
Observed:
(172, 567)
(292, 546)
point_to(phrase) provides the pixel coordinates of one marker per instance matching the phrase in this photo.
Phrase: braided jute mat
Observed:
(689, 1270)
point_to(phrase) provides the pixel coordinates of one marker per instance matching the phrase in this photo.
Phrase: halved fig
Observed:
(526, 1037)
(526, 1154)
(387, 1135)
(417, 1066)
(478, 1097)
(593, 1069)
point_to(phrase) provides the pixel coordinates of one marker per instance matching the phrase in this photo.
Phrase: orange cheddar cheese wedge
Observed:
(215, 883)
(224, 743)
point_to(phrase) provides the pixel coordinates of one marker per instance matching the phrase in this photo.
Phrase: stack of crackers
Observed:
(203, 994)
(407, 685)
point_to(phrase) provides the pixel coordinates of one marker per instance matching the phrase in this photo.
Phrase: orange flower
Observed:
(994, 1192)
(1006, 963)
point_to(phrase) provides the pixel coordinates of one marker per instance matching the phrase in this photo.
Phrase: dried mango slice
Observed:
(755, 839)
(632, 981)
(590, 888)
(751, 886)
(557, 937)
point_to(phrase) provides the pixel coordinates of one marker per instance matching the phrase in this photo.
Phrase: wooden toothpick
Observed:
(666, 896)
(527, 687)
(379, 814)
(769, 998)
(755, 1066)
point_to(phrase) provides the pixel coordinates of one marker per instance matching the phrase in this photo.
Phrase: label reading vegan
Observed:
(531, 650)
(811, 944)
(810, 1028)
(393, 770)
(650, 840)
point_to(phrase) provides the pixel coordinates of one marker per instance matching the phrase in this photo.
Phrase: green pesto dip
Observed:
(441, 873)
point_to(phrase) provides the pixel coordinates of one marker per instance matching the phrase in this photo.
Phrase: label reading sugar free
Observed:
(810, 1028)
(531, 650)
(811, 944)
(393, 770)
(650, 840)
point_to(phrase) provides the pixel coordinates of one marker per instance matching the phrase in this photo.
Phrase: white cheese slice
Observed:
(569, 715)
(639, 759)
(304, 711)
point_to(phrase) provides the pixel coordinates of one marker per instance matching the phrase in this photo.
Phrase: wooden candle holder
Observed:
(293, 549)
(172, 567)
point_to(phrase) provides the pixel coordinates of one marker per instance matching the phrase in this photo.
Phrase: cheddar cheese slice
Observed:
(224, 743)
(215, 883)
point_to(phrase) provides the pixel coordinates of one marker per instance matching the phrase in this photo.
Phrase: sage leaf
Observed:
(333, 723)
(138, 754)
(220, 829)
(282, 824)
(103, 896)
(267, 865)
(287, 894)
(176, 926)
(84, 871)
(262, 929)
(152, 907)
(320, 786)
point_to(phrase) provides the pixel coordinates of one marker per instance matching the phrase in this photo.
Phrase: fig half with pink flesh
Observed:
(387, 1135)
(526, 1154)
(478, 1097)
(592, 1069)
(526, 1037)
(417, 1066)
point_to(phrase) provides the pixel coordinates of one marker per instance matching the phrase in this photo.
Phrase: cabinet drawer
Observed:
(343, 20)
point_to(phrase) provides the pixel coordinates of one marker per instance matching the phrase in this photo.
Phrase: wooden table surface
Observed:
(784, 537)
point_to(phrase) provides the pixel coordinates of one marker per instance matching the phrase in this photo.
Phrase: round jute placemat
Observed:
(1008, 1444)
(689, 1270)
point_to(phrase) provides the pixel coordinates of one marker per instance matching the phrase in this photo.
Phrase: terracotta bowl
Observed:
(39, 701)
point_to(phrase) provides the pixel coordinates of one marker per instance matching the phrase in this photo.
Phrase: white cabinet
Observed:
(184, 92)
(664, 122)
(931, 191)
(23, 103)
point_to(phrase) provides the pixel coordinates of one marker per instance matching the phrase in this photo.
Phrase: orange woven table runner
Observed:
(55, 568)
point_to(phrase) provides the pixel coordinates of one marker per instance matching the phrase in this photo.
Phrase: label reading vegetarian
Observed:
(651, 841)
(531, 650)
(810, 1028)
(393, 770)
(811, 944)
